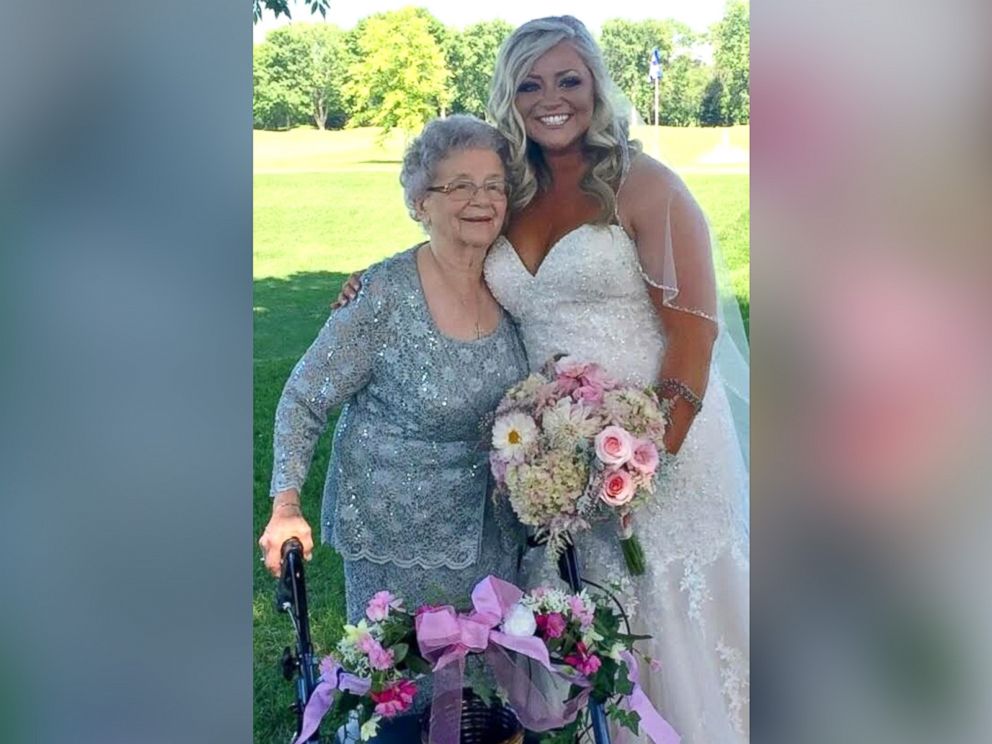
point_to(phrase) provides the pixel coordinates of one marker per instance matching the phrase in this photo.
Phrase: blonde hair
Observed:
(606, 143)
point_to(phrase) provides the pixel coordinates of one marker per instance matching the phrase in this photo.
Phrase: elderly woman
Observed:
(420, 360)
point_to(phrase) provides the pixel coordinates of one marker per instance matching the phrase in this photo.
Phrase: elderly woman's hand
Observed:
(349, 291)
(287, 521)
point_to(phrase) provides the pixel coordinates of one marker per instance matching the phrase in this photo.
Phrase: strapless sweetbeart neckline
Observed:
(554, 246)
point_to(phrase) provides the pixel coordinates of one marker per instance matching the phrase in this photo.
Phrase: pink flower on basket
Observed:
(618, 488)
(645, 457)
(587, 664)
(614, 446)
(551, 625)
(394, 699)
(380, 604)
(379, 658)
(582, 612)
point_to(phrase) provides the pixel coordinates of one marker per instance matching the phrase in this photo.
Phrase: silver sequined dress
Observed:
(406, 497)
(588, 300)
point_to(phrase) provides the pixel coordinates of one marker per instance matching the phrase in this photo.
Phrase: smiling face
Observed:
(475, 222)
(556, 99)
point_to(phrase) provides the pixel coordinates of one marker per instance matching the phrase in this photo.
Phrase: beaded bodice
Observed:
(586, 299)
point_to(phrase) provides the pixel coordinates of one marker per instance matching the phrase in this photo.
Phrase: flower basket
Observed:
(481, 723)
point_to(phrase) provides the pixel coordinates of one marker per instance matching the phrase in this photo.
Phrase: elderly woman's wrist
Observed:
(286, 501)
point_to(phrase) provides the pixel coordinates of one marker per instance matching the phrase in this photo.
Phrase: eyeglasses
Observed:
(465, 191)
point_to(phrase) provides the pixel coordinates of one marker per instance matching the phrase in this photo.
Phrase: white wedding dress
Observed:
(588, 299)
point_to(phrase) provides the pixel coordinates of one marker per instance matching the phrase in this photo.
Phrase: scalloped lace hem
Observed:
(367, 555)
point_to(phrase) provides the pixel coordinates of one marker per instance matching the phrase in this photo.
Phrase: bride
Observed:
(608, 258)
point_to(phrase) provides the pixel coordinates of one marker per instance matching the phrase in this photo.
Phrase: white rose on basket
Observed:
(519, 621)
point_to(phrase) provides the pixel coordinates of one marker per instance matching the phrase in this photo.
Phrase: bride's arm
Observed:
(674, 249)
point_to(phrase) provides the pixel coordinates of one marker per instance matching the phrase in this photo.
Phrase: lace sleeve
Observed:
(336, 366)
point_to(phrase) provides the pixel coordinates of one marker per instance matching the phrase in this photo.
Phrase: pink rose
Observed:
(380, 604)
(618, 488)
(645, 457)
(614, 446)
(551, 625)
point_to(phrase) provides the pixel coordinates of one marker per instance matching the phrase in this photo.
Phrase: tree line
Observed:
(401, 68)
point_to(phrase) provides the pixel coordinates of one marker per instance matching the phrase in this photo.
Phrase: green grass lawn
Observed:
(325, 204)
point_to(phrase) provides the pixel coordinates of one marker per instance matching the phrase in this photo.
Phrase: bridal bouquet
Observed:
(572, 445)
(371, 672)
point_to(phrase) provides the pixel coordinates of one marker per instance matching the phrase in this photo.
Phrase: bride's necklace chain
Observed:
(462, 301)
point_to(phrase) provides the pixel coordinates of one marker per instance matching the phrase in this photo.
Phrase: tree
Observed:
(397, 77)
(298, 72)
(627, 47)
(278, 98)
(324, 72)
(711, 107)
(682, 89)
(732, 50)
(472, 64)
(281, 7)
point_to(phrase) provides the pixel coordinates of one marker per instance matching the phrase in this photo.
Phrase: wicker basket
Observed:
(481, 723)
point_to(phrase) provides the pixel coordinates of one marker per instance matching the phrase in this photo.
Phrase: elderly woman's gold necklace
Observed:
(461, 300)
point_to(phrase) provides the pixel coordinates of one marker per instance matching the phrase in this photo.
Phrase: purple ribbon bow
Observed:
(445, 638)
(657, 728)
(332, 679)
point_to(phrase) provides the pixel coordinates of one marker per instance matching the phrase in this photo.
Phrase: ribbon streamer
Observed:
(332, 679)
(657, 728)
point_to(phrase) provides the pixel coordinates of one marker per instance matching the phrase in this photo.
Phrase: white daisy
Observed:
(513, 434)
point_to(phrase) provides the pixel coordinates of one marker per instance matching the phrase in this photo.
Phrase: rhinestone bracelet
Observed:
(670, 387)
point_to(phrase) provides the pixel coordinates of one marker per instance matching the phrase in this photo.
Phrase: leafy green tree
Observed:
(279, 99)
(472, 63)
(324, 72)
(682, 88)
(627, 48)
(397, 77)
(711, 107)
(732, 50)
(298, 72)
(281, 7)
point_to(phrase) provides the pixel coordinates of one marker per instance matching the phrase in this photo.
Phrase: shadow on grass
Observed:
(381, 162)
(289, 311)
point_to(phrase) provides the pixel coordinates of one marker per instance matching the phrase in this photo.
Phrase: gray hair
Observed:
(440, 139)
(607, 145)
